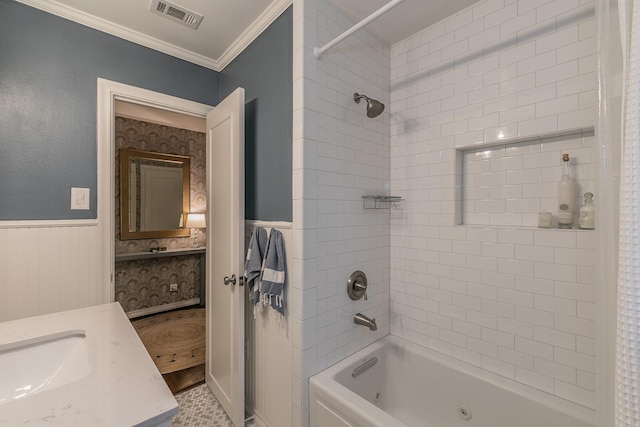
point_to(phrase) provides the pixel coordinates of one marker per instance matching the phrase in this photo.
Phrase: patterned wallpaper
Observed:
(145, 283)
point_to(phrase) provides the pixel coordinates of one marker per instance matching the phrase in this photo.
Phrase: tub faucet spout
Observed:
(361, 319)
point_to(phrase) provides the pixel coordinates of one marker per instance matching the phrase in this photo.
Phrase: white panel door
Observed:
(225, 255)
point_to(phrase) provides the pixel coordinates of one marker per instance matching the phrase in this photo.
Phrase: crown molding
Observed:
(250, 34)
(274, 10)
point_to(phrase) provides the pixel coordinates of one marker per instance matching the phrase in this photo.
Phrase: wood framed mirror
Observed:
(154, 194)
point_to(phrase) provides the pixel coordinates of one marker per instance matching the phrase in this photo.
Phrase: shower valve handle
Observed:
(361, 287)
(357, 285)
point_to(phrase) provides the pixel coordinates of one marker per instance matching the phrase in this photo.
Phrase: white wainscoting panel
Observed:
(49, 269)
(268, 359)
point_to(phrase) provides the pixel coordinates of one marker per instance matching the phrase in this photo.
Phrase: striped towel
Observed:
(274, 273)
(253, 263)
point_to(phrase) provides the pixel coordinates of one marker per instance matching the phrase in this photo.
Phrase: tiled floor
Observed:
(199, 408)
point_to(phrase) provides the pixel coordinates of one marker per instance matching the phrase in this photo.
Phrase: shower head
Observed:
(374, 108)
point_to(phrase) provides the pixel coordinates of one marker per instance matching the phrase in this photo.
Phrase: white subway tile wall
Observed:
(339, 156)
(513, 299)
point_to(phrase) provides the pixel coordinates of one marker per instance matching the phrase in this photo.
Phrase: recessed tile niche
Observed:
(507, 184)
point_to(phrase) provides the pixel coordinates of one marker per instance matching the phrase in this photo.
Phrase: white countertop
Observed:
(123, 386)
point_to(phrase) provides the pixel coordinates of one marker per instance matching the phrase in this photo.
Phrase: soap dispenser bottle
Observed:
(587, 218)
(565, 195)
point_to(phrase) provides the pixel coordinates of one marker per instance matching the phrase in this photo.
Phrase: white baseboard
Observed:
(162, 308)
(255, 416)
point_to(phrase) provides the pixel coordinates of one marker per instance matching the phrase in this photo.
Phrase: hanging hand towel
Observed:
(253, 264)
(274, 272)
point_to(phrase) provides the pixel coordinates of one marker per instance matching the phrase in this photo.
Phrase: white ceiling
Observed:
(404, 20)
(227, 28)
(230, 25)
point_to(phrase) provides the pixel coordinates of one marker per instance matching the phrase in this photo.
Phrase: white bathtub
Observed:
(413, 386)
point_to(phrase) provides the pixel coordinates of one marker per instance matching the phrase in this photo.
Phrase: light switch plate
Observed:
(80, 198)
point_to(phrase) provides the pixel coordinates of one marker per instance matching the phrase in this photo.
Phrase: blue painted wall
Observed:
(265, 70)
(48, 72)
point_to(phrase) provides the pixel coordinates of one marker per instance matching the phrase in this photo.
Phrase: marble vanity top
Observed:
(112, 380)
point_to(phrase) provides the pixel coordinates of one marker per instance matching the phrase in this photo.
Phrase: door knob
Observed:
(230, 280)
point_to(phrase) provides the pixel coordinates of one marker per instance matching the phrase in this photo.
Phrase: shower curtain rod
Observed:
(318, 51)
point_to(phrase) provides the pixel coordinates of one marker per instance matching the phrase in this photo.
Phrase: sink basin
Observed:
(81, 367)
(42, 363)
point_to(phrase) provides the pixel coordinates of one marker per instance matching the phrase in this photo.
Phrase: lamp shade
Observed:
(196, 220)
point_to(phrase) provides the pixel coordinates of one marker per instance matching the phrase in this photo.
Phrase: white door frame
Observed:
(108, 92)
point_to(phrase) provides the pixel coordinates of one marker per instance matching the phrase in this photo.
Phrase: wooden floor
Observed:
(169, 336)
(185, 379)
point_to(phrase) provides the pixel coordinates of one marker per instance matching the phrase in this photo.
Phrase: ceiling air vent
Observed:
(176, 13)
